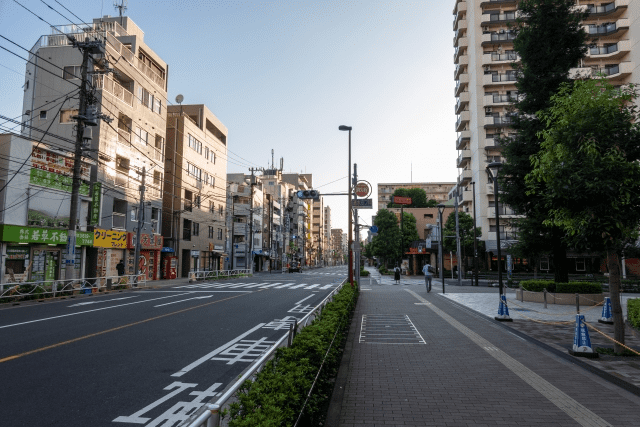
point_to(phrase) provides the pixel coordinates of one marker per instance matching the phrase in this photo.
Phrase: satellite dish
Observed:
(179, 99)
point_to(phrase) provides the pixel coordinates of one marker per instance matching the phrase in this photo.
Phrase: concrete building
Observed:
(118, 153)
(485, 86)
(337, 247)
(298, 213)
(194, 204)
(437, 191)
(245, 216)
(326, 242)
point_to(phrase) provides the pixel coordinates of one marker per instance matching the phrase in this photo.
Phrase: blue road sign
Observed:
(374, 229)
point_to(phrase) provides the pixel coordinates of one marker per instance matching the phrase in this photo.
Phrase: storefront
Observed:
(37, 254)
(149, 261)
(109, 247)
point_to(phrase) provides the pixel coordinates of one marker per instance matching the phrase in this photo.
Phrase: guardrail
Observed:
(45, 288)
(216, 274)
(210, 412)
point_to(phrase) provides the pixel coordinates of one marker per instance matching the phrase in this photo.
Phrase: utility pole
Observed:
(140, 225)
(458, 241)
(233, 215)
(357, 227)
(251, 183)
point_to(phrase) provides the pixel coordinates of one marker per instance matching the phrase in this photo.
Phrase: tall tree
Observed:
(465, 226)
(550, 41)
(589, 164)
(386, 244)
(409, 231)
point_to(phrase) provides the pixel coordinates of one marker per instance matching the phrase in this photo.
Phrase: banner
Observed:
(109, 239)
(96, 194)
(21, 234)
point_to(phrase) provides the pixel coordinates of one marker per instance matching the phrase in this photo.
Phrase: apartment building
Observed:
(299, 212)
(485, 86)
(245, 223)
(194, 202)
(437, 191)
(120, 152)
(337, 248)
(326, 240)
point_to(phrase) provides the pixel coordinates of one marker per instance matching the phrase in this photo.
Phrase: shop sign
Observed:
(96, 193)
(109, 239)
(48, 179)
(147, 241)
(21, 234)
(17, 253)
(195, 254)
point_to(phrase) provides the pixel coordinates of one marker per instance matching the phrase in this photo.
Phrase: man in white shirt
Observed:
(427, 276)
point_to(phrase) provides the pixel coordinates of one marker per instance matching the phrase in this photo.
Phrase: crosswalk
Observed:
(255, 285)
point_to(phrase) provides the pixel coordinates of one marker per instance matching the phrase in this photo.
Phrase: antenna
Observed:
(179, 99)
(272, 163)
(121, 5)
(281, 164)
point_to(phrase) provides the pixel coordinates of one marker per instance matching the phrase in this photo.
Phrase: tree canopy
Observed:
(465, 226)
(418, 198)
(386, 245)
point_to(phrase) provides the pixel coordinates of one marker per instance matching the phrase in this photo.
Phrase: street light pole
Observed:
(348, 128)
(440, 247)
(493, 169)
(475, 239)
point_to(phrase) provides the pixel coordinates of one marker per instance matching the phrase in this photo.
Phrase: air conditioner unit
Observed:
(488, 110)
(487, 68)
(501, 31)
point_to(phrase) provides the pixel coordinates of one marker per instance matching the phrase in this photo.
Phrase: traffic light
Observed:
(308, 194)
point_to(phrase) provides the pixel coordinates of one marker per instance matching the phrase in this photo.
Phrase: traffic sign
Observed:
(362, 203)
(374, 229)
(362, 189)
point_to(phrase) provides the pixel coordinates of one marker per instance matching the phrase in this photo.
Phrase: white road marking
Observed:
(300, 302)
(208, 356)
(256, 285)
(136, 419)
(89, 311)
(284, 286)
(183, 300)
(313, 286)
(327, 286)
(298, 286)
(97, 302)
(268, 286)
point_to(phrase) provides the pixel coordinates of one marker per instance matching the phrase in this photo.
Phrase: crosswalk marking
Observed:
(263, 285)
(256, 285)
(299, 286)
(284, 286)
(313, 286)
(268, 286)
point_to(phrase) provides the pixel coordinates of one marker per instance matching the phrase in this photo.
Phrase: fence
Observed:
(210, 413)
(216, 274)
(51, 288)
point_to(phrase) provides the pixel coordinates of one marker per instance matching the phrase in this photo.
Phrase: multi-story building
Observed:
(245, 216)
(326, 241)
(194, 204)
(337, 248)
(129, 83)
(317, 232)
(437, 191)
(485, 86)
(299, 215)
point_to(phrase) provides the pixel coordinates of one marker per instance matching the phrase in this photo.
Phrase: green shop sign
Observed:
(94, 214)
(55, 181)
(20, 234)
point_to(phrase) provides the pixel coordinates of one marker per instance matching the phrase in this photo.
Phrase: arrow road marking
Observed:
(183, 300)
(96, 302)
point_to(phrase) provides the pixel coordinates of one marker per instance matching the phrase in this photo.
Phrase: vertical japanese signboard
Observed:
(96, 194)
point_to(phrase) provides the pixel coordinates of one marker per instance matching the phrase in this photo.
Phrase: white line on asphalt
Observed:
(301, 285)
(313, 286)
(284, 286)
(206, 357)
(89, 311)
(97, 302)
(183, 300)
(195, 292)
(273, 284)
(300, 302)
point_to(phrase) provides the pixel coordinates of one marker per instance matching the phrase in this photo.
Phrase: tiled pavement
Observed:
(470, 370)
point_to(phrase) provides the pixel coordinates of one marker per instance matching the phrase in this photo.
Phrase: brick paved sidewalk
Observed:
(418, 359)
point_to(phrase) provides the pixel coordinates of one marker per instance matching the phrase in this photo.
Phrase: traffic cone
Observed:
(607, 317)
(581, 340)
(503, 310)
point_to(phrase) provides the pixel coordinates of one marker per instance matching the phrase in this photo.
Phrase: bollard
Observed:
(577, 303)
(581, 341)
(606, 317)
(545, 297)
(503, 310)
(521, 293)
(290, 338)
(214, 419)
(109, 283)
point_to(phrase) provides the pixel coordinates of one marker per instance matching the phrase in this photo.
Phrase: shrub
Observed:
(633, 312)
(579, 288)
(364, 272)
(277, 395)
(538, 285)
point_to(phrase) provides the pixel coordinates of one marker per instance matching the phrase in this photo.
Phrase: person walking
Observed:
(396, 274)
(428, 275)
(120, 268)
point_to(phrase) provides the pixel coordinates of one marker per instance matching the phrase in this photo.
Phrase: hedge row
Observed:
(277, 395)
(561, 288)
(364, 273)
(633, 312)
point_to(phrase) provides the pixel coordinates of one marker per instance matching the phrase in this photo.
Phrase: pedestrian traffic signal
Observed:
(308, 194)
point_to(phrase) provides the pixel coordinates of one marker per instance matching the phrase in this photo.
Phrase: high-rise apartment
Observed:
(485, 86)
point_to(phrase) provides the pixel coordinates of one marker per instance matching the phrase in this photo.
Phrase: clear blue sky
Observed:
(284, 75)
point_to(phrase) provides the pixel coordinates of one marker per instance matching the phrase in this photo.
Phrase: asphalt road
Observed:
(145, 357)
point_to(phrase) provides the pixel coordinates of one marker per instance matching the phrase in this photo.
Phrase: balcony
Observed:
(612, 72)
(504, 212)
(460, 69)
(467, 196)
(463, 120)
(461, 6)
(499, 58)
(609, 30)
(461, 42)
(611, 10)
(497, 121)
(462, 101)
(463, 138)
(151, 74)
(613, 51)
(500, 99)
(491, 144)
(114, 88)
(463, 159)
(465, 176)
(498, 79)
(461, 84)
(498, 38)
(498, 18)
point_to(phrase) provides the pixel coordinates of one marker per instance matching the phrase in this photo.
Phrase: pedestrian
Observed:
(120, 268)
(396, 274)
(428, 275)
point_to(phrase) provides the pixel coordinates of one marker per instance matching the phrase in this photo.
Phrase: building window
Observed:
(66, 116)
(194, 144)
(72, 72)
(196, 229)
(157, 106)
(544, 264)
(220, 210)
(194, 171)
(159, 142)
(134, 213)
(212, 207)
(206, 153)
(210, 232)
(219, 233)
(157, 178)
(155, 217)
(141, 136)
(197, 201)
(43, 114)
(188, 203)
(186, 229)
(580, 264)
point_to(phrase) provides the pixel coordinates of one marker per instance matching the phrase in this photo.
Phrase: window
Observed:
(194, 171)
(157, 177)
(66, 116)
(43, 114)
(544, 264)
(194, 144)
(212, 207)
(141, 137)
(213, 157)
(72, 72)
(188, 204)
(155, 217)
(186, 229)
(158, 106)
(210, 232)
(219, 233)
(220, 210)
(580, 264)
(197, 201)
(145, 97)
(134, 213)
(122, 164)
(196, 229)
(159, 142)
(206, 153)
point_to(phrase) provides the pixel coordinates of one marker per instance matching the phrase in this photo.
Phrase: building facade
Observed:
(437, 191)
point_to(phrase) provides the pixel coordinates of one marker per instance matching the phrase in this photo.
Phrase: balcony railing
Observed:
(150, 73)
(602, 9)
(607, 71)
(114, 88)
(506, 36)
(602, 29)
(494, 17)
(508, 77)
(509, 56)
(603, 50)
(502, 120)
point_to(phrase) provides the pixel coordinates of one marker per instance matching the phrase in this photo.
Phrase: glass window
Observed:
(72, 72)
(210, 232)
(219, 233)
(196, 229)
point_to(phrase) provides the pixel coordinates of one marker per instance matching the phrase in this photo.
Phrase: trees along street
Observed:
(466, 234)
(589, 164)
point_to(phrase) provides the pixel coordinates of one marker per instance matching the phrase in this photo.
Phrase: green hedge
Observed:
(364, 273)
(562, 288)
(633, 312)
(277, 395)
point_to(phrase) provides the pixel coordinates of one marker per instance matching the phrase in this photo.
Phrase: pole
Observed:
(440, 252)
(497, 208)
(401, 233)
(251, 184)
(233, 215)
(458, 242)
(475, 239)
(69, 270)
(350, 219)
(357, 227)
(136, 255)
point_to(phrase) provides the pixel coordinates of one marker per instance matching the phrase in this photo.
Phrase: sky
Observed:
(283, 75)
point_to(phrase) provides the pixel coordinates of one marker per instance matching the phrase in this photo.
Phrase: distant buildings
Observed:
(437, 191)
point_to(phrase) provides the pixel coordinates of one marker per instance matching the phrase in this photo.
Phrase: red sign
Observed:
(147, 241)
(362, 189)
(401, 200)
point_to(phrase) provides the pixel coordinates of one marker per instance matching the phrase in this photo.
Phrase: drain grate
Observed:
(389, 329)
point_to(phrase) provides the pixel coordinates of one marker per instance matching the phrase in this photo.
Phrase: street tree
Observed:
(550, 40)
(465, 227)
(409, 231)
(418, 198)
(589, 163)
(386, 245)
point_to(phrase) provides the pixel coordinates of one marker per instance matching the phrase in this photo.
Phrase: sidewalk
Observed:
(418, 359)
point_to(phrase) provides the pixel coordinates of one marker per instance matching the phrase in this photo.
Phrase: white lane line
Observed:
(284, 286)
(301, 285)
(256, 285)
(89, 311)
(241, 285)
(327, 286)
(313, 286)
(98, 302)
(268, 286)
(556, 396)
(195, 292)
(183, 300)
(206, 357)
(300, 302)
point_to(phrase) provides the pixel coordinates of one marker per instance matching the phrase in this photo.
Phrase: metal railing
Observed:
(51, 288)
(216, 274)
(210, 412)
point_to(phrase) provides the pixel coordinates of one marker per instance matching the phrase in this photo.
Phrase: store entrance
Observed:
(45, 265)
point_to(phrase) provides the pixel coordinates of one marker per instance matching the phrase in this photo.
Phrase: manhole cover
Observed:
(389, 329)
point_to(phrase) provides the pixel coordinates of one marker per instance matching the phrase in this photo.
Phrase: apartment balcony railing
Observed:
(608, 28)
(499, 37)
(509, 56)
(153, 75)
(465, 176)
(498, 17)
(114, 88)
(503, 210)
(461, 101)
(508, 77)
(500, 99)
(467, 196)
(607, 8)
(463, 158)
(463, 119)
(462, 139)
(119, 220)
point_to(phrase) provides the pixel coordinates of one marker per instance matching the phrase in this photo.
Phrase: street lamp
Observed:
(348, 128)
(440, 251)
(492, 170)
(475, 238)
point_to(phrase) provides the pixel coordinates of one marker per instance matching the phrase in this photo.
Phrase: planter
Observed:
(560, 299)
